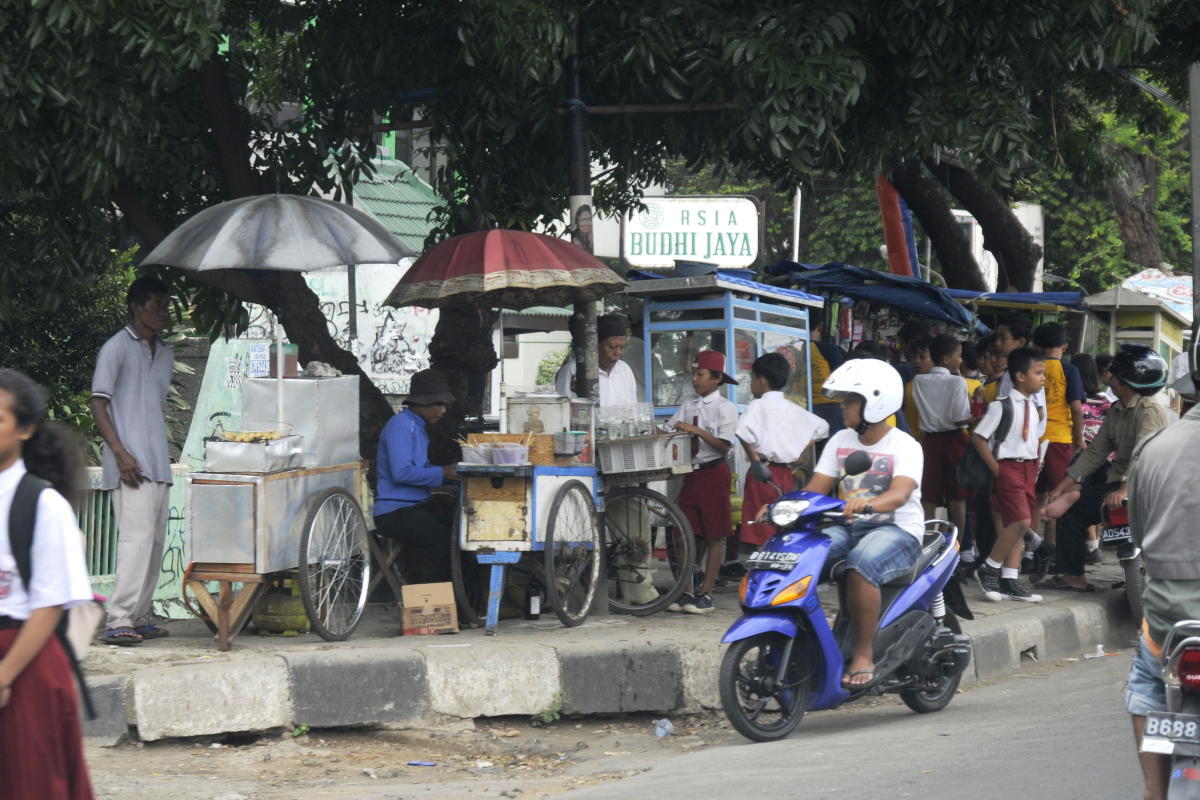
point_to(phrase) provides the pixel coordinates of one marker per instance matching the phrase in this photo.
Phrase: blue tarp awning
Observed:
(895, 291)
(737, 277)
(1073, 300)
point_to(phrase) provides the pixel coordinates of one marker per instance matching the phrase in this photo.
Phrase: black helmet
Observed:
(1140, 367)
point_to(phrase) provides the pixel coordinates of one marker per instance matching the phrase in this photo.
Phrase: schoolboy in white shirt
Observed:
(776, 431)
(944, 408)
(705, 497)
(1015, 466)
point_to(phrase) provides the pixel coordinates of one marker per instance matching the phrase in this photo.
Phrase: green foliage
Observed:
(548, 366)
(551, 713)
(842, 223)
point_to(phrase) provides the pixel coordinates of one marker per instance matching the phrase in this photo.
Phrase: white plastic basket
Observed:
(662, 451)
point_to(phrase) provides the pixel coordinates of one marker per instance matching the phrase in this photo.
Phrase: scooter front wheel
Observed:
(766, 681)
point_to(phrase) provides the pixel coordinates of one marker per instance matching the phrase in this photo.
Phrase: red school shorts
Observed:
(1014, 498)
(757, 494)
(1054, 465)
(705, 501)
(943, 451)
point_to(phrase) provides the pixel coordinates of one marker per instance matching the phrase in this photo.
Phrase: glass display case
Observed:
(739, 317)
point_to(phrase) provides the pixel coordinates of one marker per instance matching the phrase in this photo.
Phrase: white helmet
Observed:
(877, 381)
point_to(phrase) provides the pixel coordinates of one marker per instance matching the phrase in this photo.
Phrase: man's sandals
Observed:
(122, 637)
(857, 687)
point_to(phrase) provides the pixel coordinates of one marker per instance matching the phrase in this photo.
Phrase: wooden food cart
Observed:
(265, 508)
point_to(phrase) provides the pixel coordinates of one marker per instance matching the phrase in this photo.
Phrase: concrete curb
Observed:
(386, 685)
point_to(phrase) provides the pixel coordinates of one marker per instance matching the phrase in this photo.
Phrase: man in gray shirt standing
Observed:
(129, 390)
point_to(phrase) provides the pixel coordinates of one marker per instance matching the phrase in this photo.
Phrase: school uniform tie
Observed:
(1025, 427)
(695, 439)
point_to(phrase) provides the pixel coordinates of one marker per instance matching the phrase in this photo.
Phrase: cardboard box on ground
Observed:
(428, 608)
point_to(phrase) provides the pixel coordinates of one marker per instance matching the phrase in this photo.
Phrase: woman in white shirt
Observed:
(41, 743)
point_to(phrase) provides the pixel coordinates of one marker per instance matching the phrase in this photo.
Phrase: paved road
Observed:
(1054, 732)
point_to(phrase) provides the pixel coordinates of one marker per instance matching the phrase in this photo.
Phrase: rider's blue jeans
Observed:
(879, 553)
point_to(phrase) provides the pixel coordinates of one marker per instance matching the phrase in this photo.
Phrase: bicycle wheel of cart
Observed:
(649, 550)
(572, 556)
(470, 583)
(335, 564)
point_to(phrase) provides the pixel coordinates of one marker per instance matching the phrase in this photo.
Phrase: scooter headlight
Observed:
(785, 512)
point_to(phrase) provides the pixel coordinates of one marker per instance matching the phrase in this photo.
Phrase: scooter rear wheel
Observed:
(926, 701)
(758, 704)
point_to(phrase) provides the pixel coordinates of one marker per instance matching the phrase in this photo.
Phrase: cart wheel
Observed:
(335, 564)
(649, 547)
(470, 584)
(572, 553)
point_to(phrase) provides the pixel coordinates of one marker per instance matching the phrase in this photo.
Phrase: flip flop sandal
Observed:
(1058, 583)
(122, 637)
(152, 632)
(854, 687)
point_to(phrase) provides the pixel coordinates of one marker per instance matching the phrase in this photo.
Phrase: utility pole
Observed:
(1194, 142)
(579, 200)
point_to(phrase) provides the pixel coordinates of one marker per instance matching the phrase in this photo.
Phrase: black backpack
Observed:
(21, 519)
(972, 472)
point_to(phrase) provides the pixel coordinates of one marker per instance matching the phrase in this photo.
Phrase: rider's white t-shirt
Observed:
(897, 453)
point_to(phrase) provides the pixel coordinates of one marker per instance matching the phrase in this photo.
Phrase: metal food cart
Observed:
(263, 508)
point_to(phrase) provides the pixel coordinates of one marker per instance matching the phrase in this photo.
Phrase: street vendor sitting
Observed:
(618, 386)
(403, 508)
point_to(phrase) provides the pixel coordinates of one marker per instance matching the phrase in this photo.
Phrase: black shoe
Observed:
(989, 581)
(701, 604)
(1010, 589)
(685, 599)
(1095, 556)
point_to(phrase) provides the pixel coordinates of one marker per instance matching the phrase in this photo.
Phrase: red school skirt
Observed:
(757, 494)
(41, 738)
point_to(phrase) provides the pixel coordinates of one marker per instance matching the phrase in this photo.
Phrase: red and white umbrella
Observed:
(504, 269)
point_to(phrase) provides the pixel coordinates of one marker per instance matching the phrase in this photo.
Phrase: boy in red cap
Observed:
(705, 498)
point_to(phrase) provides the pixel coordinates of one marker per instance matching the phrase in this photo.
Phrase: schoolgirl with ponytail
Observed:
(41, 742)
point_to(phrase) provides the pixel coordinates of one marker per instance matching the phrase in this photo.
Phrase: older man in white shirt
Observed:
(618, 385)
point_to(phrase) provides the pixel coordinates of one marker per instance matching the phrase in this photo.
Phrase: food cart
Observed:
(281, 497)
(543, 500)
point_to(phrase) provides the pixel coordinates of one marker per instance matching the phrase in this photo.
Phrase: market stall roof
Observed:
(895, 291)
(732, 280)
(537, 318)
(1121, 297)
(1047, 301)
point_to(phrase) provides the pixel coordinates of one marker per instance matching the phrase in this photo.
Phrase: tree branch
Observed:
(1003, 233)
(928, 203)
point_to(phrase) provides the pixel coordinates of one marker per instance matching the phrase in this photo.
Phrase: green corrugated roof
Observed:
(400, 200)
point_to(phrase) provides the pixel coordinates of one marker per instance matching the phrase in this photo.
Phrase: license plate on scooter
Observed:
(768, 559)
(1116, 535)
(1164, 729)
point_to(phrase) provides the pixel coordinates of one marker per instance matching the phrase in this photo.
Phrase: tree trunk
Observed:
(1134, 195)
(927, 201)
(1003, 234)
(462, 350)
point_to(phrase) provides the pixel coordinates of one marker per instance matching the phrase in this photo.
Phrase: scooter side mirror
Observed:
(760, 471)
(858, 462)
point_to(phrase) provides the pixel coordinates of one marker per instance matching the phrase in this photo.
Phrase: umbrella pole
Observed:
(279, 361)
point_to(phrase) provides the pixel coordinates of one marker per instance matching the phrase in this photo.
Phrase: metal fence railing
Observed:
(98, 521)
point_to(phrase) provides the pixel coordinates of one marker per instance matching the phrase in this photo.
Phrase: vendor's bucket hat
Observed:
(714, 361)
(428, 387)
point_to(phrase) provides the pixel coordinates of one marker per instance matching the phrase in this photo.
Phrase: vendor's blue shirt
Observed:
(405, 474)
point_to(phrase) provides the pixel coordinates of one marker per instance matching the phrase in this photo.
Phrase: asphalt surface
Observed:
(1056, 731)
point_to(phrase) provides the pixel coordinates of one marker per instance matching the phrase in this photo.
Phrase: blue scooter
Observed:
(784, 658)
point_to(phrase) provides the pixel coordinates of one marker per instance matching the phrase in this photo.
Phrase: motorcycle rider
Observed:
(1136, 374)
(885, 541)
(1162, 516)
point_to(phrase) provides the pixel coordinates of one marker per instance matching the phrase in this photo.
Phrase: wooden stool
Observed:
(384, 552)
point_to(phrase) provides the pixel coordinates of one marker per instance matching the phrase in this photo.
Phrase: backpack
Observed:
(78, 624)
(972, 471)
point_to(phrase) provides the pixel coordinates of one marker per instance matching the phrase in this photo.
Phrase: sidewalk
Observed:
(182, 686)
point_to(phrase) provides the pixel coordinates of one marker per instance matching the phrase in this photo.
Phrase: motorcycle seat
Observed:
(932, 546)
